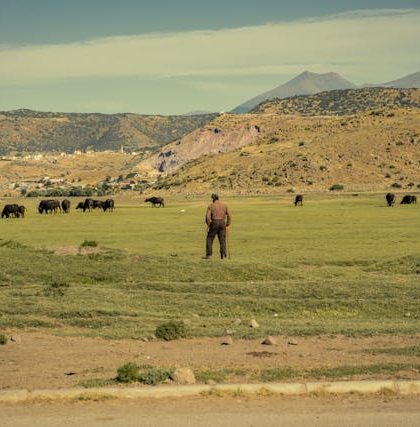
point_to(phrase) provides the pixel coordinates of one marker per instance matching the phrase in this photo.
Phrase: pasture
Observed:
(340, 264)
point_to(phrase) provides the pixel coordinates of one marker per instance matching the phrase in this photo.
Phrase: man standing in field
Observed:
(217, 219)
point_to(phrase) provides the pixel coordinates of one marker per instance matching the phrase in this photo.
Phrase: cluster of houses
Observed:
(47, 185)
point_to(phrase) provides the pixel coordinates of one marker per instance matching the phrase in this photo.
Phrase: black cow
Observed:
(65, 205)
(108, 205)
(80, 205)
(299, 199)
(98, 204)
(390, 199)
(10, 210)
(51, 206)
(21, 210)
(88, 205)
(156, 201)
(408, 200)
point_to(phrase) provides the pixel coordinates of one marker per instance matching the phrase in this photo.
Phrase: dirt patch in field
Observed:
(77, 250)
(40, 360)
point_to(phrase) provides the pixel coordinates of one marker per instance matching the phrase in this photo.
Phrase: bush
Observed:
(89, 244)
(336, 187)
(128, 373)
(3, 339)
(154, 376)
(396, 185)
(34, 193)
(171, 331)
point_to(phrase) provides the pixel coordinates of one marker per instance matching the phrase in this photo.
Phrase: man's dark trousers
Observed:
(217, 227)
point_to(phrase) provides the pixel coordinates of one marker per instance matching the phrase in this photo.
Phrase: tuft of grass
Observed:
(55, 288)
(89, 244)
(3, 339)
(96, 382)
(97, 397)
(336, 187)
(413, 350)
(277, 374)
(351, 371)
(171, 331)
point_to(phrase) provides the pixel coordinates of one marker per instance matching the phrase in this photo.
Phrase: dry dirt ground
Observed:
(366, 411)
(38, 360)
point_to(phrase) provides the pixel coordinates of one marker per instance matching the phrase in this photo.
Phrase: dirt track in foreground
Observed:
(39, 360)
(365, 411)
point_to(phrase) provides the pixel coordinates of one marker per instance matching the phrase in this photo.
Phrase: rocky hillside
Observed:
(376, 150)
(27, 130)
(229, 132)
(342, 102)
(226, 133)
(306, 83)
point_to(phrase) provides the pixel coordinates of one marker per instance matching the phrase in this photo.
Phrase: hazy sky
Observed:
(180, 55)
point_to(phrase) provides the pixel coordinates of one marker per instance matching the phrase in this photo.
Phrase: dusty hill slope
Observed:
(26, 130)
(373, 150)
(306, 83)
(231, 131)
(341, 102)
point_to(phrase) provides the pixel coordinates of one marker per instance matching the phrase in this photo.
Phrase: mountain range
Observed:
(31, 131)
(308, 83)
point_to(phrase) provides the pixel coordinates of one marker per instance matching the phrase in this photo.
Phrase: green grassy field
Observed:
(340, 264)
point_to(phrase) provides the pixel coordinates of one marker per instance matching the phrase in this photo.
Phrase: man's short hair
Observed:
(215, 196)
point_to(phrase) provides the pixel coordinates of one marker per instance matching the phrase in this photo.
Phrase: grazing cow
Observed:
(97, 204)
(108, 205)
(80, 205)
(408, 200)
(390, 199)
(21, 211)
(299, 199)
(65, 205)
(88, 205)
(51, 206)
(156, 201)
(10, 210)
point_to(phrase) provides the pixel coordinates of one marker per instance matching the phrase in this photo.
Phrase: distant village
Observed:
(63, 186)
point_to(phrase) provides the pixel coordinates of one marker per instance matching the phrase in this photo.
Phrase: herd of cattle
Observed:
(53, 206)
(406, 200)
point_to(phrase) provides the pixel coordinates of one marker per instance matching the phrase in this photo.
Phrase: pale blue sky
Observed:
(177, 56)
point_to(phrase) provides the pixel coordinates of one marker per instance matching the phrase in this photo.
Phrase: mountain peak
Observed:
(306, 83)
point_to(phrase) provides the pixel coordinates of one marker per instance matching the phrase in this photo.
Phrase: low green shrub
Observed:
(128, 373)
(171, 331)
(146, 374)
(3, 339)
(154, 376)
(336, 187)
